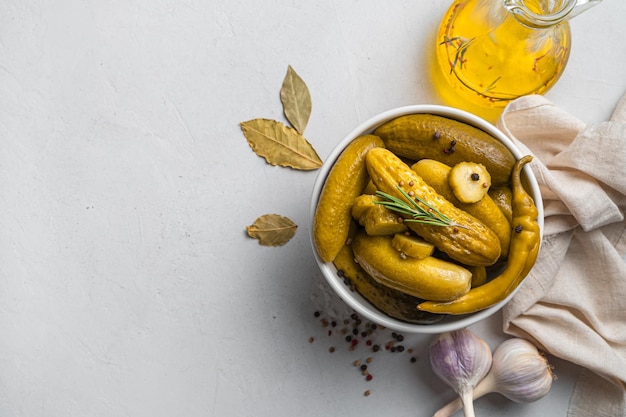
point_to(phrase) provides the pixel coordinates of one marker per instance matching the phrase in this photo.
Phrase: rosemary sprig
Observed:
(425, 215)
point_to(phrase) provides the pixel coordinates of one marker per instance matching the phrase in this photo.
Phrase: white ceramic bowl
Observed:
(353, 298)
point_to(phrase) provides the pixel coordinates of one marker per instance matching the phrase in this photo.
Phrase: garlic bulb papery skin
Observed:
(521, 373)
(518, 371)
(461, 359)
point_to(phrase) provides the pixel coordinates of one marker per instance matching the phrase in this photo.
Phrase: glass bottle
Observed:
(489, 52)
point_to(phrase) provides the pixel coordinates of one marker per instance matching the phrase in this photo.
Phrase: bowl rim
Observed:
(352, 298)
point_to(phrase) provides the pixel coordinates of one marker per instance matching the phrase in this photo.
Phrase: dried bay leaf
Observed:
(296, 99)
(272, 230)
(280, 144)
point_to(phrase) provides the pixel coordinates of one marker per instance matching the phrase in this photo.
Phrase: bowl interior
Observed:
(353, 298)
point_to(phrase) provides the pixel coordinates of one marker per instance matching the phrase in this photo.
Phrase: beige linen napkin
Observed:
(573, 303)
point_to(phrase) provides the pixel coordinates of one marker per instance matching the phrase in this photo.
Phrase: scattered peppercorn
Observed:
(331, 349)
(413, 359)
(369, 377)
(367, 393)
(317, 314)
(518, 229)
(475, 176)
(311, 339)
(363, 367)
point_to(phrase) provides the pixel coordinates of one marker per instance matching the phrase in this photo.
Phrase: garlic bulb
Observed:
(461, 359)
(518, 371)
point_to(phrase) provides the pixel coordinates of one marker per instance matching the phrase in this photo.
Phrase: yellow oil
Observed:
(485, 57)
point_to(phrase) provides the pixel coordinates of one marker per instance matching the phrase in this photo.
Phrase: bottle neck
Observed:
(546, 14)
